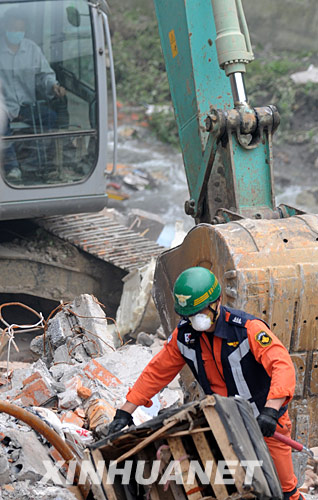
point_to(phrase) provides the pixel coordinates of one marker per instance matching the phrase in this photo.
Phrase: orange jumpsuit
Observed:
(274, 358)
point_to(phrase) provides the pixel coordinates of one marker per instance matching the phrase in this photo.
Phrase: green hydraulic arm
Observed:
(226, 144)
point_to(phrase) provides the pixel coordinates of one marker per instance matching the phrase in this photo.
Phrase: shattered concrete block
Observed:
(144, 339)
(32, 455)
(137, 311)
(299, 463)
(4, 467)
(69, 399)
(79, 331)
(23, 490)
(59, 329)
(37, 344)
(61, 355)
(58, 371)
(40, 366)
(91, 320)
(70, 371)
(126, 363)
(95, 370)
(36, 391)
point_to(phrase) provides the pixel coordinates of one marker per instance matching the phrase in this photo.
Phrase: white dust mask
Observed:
(201, 322)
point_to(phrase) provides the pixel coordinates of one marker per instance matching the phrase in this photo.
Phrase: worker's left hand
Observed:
(267, 420)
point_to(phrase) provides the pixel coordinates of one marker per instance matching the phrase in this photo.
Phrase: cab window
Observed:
(48, 82)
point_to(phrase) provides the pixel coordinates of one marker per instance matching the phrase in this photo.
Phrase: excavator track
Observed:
(101, 236)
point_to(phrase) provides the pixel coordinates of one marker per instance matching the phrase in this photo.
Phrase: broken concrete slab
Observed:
(126, 363)
(30, 464)
(79, 331)
(36, 391)
(145, 339)
(91, 321)
(145, 223)
(137, 311)
(22, 490)
(5, 474)
(69, 398)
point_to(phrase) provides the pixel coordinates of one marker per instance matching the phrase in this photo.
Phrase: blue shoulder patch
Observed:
(237, 320)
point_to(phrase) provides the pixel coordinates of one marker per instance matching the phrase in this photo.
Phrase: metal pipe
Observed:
(238, 88)
(39, 426)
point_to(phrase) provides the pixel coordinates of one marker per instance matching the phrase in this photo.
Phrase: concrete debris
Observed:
(145, 339)
(145, 223)
(31, 456)
(310, 483)
(75, 387)
(23, 490)
(78, 332)
(137, 311)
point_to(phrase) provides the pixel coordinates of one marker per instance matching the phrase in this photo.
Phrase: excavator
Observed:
(55, 157)
(266, 257)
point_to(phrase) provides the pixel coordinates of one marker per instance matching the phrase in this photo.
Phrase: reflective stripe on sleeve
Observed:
(235, 362)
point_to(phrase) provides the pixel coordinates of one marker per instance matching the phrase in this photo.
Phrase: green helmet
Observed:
(194, 289)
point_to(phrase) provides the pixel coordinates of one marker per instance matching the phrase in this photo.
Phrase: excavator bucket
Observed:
(269, 268)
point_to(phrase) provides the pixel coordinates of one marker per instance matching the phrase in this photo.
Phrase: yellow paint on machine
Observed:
(173, 43)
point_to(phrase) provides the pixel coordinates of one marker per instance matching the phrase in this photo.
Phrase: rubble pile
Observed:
(75, 386)
(310, 485)
(82, 375)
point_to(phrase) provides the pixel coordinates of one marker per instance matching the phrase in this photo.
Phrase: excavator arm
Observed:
(266, 257)
(226, 144)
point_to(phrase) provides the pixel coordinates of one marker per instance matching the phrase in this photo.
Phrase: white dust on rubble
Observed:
(75, 387)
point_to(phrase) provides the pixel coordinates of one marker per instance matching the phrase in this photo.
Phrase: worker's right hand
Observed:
(121, 419)
(58, 90)
(267, 420)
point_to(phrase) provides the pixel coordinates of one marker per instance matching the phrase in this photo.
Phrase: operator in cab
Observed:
(24, 74)
(230, 353)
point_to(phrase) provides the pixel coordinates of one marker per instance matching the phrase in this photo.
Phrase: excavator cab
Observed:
(54, 86)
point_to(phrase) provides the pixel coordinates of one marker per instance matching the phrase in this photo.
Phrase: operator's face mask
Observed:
(15, 37)
(202, 322)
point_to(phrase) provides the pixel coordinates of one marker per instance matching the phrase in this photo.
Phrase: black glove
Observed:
(267, 420)
(121, 419)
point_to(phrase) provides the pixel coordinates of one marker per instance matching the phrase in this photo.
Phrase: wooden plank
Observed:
(179, 453)
(146, 441)
(187, 433)
(223, 442)
(108, 488)
(206, 454)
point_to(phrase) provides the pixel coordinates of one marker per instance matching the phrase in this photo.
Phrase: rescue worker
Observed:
(229, 352)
